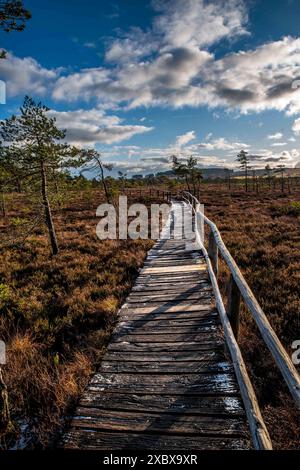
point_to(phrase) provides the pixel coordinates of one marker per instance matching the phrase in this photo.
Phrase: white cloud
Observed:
(184, 139)
(278, 144)
(198, 23)
(90, 127)
(26, 76)
(222, 144)
(276, 136)
(259, 79)
(296, 126)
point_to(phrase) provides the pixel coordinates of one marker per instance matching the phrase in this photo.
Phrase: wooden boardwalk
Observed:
(165, 381)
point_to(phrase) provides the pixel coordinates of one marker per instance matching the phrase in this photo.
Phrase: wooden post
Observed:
(213, 252)
(233, 306)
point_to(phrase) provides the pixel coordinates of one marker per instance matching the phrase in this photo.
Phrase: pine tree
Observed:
(34, 139)
(244, 160)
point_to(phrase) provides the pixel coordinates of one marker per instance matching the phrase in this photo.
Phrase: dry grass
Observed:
(57, 313)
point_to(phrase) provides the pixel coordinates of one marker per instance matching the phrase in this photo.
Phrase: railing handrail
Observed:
(269, 336)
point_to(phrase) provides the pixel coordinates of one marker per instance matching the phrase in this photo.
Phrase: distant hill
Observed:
(213, 173)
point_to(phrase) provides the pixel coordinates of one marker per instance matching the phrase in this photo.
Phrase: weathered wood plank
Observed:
(172, 356)
(144, 329)
(209, 384)
(206, 314)
(166, 367)
(165, 346)
(181, 307)
(177, 322)
(209, 406)
(93, 418)
(171, 337)
(176, 269)
(158, 296)
(93, 440)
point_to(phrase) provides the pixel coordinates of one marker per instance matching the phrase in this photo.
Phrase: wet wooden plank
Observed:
(206, 314)
(164, 338)
(144, 329)
(209, 406)
(158, 296)
(191, 384)
(94, 440)
(167, 323)
(166, 367)
(93, 418)
(166, 346)
(171, 356)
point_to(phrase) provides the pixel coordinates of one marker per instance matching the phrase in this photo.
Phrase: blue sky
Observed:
(142, 80)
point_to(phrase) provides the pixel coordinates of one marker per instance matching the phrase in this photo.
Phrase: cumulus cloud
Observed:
(26, 76)
(259, 79)
(184, 139)
(285, 157)
(276, 136)
(198, 23)
(89, 127)
(222, 144)
(296, 126)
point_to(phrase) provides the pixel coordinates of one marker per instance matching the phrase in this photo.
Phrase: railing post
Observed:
(213, 252)
(233, 306)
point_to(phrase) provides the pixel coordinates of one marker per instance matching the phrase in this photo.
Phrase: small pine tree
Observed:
(244, 160)
(34, 139)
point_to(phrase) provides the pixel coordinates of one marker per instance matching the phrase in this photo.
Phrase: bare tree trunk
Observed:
(19, 185)
(3, 206)
(103, 181)
(246, 178)
(188, 185)
(48, 214)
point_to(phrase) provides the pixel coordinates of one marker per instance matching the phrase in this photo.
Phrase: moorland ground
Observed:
(57, 313)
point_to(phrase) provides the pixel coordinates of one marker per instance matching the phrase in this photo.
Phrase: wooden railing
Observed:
(239, 289)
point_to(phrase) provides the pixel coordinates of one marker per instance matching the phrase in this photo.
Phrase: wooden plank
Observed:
(182, 307)
(166, 346)
(195, 281)
(204, 314)
(94, 440)
(191, 384)
(177, 322)
(171, 337)
(167, 367)
(144, 329)
(209, 406)
(176, 269)
(158, 296)
(93, 418)
(155, 356)
(167, 304)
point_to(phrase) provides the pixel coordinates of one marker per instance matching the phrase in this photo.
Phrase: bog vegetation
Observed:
(60, 287)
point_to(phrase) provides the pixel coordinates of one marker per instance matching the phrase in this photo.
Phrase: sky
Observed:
(143, 80)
